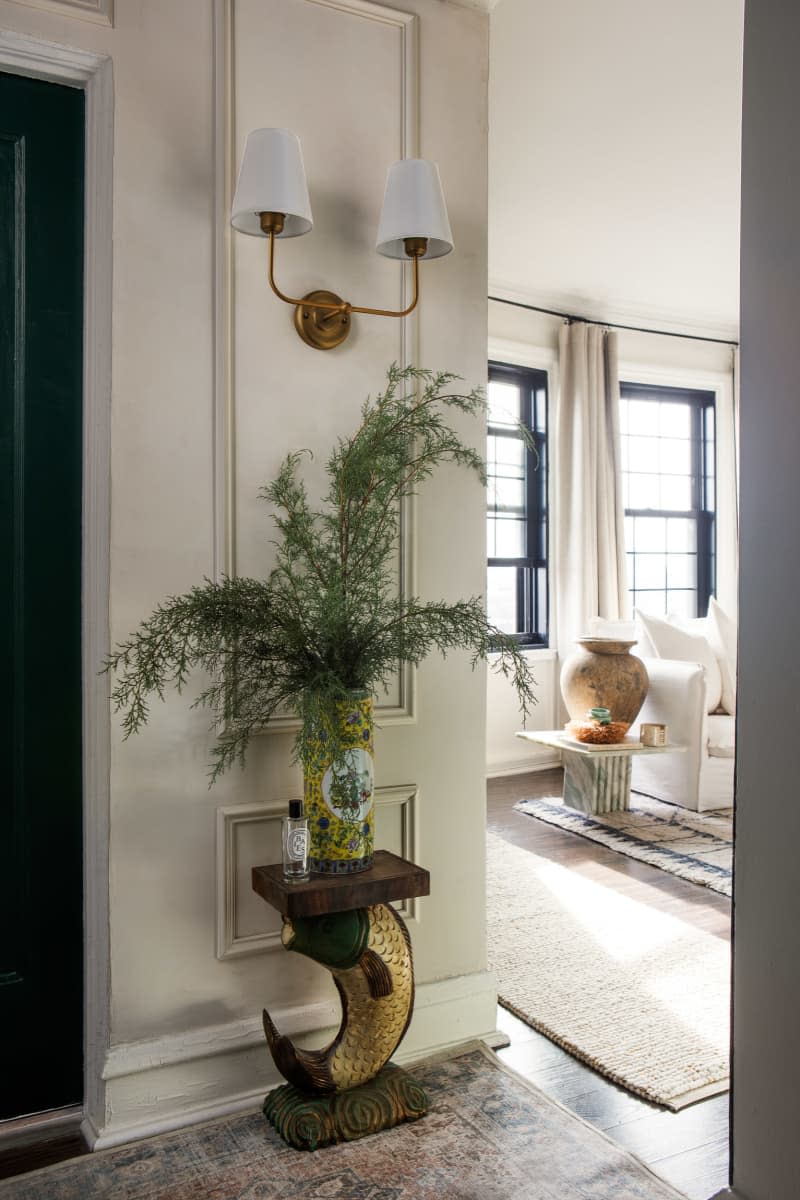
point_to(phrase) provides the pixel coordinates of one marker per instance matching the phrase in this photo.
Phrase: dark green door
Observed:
(41, 321)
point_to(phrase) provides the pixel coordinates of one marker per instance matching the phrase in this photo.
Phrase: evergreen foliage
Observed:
(328, 620)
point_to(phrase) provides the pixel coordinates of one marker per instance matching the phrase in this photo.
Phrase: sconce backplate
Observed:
(319, 327)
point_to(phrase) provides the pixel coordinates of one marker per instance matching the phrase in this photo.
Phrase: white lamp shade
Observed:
(413, 206)
(272, 178)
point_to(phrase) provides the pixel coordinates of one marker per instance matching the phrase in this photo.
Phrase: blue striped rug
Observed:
(694, 846)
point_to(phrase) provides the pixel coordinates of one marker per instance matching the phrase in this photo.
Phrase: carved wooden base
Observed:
(309, 1122)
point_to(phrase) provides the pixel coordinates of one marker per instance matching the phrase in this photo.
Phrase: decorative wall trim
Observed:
(406, 798)
(483, 6)
(407, 25)
(182, 1079)
(99, 11)
(99, 219)
(134, 1058)
(232, 821)
(24, 55)
(224, 468)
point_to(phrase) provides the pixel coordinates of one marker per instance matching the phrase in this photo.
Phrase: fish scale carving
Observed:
(377, 995)
(374, 1027)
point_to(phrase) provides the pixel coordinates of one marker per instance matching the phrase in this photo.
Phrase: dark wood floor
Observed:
(26, 1147)
(688, 1148)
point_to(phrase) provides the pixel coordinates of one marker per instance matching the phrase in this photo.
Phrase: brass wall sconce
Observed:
(271, 201)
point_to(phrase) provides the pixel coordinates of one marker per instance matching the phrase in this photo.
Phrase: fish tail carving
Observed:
(270, 1032)
(368, 953)
(308, 1070)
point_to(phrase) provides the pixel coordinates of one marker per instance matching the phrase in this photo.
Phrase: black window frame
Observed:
(700, 403)
(533, 600)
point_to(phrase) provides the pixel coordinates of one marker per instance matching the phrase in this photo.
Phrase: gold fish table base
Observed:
(346, 923)
(309, 1122)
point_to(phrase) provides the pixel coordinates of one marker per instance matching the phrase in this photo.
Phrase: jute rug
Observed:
(488, 1135)
(639, 995)
(695, 846)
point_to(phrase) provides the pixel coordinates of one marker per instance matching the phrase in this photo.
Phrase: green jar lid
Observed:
(603, 715)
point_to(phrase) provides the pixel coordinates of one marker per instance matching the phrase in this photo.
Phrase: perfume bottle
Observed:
(295, 844)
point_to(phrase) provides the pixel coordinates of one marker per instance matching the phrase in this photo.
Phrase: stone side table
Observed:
(597, 779)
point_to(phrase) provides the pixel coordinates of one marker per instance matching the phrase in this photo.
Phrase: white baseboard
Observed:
(164, 1084)
(545, 761)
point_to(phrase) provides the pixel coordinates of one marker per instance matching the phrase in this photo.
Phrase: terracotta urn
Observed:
(602, 672)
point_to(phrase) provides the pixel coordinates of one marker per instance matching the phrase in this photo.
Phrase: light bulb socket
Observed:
(272, 222)
(415, 247)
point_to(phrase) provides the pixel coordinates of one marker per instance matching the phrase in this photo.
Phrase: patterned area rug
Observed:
(637, 994)
(695, 846)
(489, 1134)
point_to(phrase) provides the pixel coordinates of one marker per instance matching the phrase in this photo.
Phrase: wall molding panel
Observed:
(234, 862)
(249, 834)
(99, 11)
(407, 25)
(399, 705)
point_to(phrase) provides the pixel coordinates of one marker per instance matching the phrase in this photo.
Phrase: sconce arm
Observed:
(288, 299)
(343, 306)
(386, 312)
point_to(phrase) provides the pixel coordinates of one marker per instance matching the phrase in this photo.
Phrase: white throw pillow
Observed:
(695, 625)
(722, 638)
(670, 641)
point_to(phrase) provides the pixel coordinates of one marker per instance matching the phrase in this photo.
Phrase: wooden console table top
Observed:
(389, 878)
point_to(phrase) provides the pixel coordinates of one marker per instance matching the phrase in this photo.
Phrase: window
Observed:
(668, 477)
(516, 598)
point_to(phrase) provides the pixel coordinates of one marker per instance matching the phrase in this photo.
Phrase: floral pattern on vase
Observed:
(339, 795)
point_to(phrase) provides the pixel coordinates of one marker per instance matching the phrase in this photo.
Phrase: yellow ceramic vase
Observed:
(339, 795)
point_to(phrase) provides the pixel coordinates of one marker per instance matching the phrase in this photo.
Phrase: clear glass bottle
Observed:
(295, 844)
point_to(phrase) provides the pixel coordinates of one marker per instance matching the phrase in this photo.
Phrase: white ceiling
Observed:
(614, 145)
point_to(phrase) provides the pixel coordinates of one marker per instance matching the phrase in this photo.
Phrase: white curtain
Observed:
(589, 536)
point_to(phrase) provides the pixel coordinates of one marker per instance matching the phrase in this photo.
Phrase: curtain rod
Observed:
(552, 312)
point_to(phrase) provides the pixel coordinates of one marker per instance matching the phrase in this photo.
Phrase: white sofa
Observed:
(701, 776)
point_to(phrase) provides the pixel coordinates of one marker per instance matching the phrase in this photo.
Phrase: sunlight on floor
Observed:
(626, 929)
(631, 932)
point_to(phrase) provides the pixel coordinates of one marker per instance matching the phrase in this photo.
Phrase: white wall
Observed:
(506, 754)
(614, 156)
(202, 410)
(766, 972)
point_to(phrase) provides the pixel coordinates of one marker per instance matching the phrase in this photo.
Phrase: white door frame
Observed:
(23, 55)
